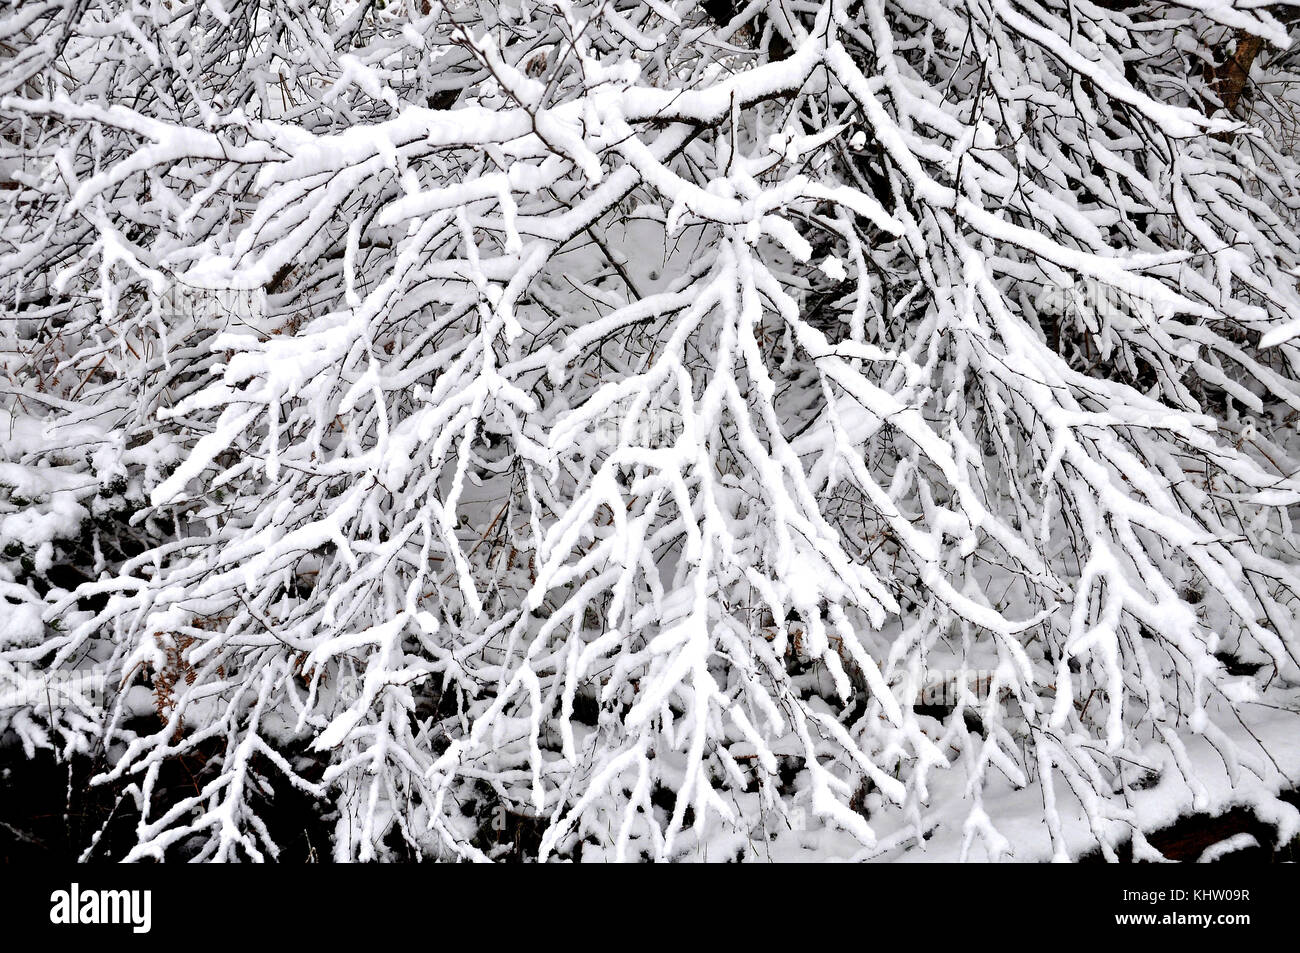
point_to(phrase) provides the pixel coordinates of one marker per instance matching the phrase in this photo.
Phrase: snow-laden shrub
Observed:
(615, 416)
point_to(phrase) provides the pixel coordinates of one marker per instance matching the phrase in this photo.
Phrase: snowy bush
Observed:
(617, 416)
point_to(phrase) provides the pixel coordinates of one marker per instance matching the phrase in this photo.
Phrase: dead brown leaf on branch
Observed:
(1230, 77)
